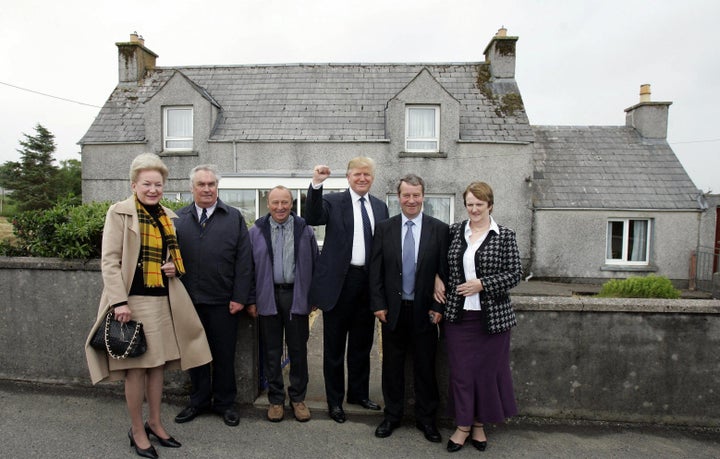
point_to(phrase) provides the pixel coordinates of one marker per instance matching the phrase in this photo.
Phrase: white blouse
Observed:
(472, 302)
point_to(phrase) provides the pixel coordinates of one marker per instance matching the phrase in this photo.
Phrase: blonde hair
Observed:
(147, 162)
(361, 162)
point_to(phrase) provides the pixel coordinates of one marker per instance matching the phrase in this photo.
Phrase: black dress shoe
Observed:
(147, 452)
(430, 431)
(188, 414)
(166, 442)
(231, 417)
(385, 429)
(366, 403)
(337, 414)
(479, 445)
(453, 447)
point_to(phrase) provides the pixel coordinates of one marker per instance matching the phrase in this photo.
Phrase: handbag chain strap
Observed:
(131, 345)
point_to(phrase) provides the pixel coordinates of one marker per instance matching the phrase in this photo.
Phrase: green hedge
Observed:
(63, 231)
(639, 287)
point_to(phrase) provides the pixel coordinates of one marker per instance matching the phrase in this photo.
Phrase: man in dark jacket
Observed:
(215, 247)
(284, 252)
(340, 283)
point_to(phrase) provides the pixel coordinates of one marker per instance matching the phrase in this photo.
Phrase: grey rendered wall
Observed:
(572, 358)
(571, 244)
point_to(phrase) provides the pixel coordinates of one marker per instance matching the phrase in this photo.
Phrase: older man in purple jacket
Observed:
(284, 250)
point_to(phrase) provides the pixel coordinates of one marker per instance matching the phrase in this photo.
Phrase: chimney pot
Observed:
(644, 93)
(134, 37)
(502, 32)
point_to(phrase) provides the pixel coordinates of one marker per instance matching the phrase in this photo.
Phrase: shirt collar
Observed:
(493, 226)
(415, 220)
(356, 197)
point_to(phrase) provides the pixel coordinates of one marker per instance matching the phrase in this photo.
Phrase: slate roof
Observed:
(607, 167)
(312, 102)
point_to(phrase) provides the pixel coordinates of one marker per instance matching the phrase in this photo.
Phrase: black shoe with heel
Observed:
(479, 445)
(166, 442)
(453, 447)
(147, 452)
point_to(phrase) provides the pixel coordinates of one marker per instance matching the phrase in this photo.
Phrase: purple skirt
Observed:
(480, 386)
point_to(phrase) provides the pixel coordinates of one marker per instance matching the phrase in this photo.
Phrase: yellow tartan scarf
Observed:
(151, 249)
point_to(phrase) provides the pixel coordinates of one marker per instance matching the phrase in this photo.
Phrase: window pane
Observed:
(637, 240)
(615, 241)
(243, 200)
(421, 145)
(438, 207)
(434, 206)
(179, 122)
(178, 144)
(421, 123)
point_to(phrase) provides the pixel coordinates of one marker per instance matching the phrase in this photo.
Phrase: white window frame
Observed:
(296, 185)
(625, 256)
(435, 138)
(393, 203)
(167, 138)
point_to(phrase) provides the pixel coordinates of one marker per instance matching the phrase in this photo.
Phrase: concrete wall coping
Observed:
(60, 264)
(634, 305)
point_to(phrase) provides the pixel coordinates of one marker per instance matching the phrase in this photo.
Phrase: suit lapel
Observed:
(396, 241)
(347, 214)
(424, 241)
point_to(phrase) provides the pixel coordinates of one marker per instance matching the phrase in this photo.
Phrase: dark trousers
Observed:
(296, 331)
(422, 348)
(213, 384)
(350, 322)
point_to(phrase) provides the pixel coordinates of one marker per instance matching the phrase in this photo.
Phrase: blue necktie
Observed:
(367, 231)
(278, 264)
(408, 262)
(203, 218)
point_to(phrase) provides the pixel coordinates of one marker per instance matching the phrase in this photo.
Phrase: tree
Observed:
(69, 181)
(34, 179)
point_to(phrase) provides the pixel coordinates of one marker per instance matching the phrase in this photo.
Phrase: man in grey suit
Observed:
(409, 249)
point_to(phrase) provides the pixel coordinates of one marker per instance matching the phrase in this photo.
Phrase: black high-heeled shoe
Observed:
(453, 447)
(479, 445)
(166, 442)
(148, 452)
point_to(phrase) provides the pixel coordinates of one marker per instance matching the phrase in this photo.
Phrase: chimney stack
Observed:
(649, 118)
(500, 54)
(134, 59)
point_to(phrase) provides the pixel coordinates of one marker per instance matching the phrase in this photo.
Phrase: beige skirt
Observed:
(162, 346)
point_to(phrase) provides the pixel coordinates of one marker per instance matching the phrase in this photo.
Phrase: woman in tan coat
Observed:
(141, 263)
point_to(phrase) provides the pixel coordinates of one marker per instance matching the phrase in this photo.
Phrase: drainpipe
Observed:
(235, 158)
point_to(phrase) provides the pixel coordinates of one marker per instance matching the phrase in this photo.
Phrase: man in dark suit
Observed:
(215, 246)
(340, 283)
(409, 249)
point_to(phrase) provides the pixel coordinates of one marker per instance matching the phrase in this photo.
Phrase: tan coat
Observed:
(120, 253)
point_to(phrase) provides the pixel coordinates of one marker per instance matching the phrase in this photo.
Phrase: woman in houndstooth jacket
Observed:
(483, 265)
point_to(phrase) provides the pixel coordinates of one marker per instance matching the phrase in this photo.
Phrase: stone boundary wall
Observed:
(625, 360)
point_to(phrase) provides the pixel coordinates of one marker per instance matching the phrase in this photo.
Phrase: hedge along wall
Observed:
(572, 358)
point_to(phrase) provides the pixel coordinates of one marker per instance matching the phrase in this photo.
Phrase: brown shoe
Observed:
(301, 411)
(275, 413)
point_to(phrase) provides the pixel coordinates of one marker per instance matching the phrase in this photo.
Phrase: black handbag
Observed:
(120, 340)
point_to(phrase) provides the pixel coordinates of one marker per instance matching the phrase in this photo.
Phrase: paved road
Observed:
(54, 422)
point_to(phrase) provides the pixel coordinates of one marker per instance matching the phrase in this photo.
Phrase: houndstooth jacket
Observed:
(497, 265)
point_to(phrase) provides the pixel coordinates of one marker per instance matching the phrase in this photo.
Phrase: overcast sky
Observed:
(578, 62)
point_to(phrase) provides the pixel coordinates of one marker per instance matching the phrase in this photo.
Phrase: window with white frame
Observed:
(422, 127)
(177, 128)
(628, 241)
(435, 205)
(249, 195)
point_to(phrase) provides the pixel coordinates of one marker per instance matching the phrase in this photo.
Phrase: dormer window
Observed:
(422, 127)
(177, 128)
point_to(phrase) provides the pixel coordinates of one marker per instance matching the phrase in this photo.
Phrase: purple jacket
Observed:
(306, 251)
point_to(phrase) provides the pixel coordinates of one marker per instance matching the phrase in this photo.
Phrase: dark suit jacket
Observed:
(335, 211)
(386, 269)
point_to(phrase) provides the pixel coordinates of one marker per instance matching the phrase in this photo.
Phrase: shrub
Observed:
(63, 231)
(640, 287)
